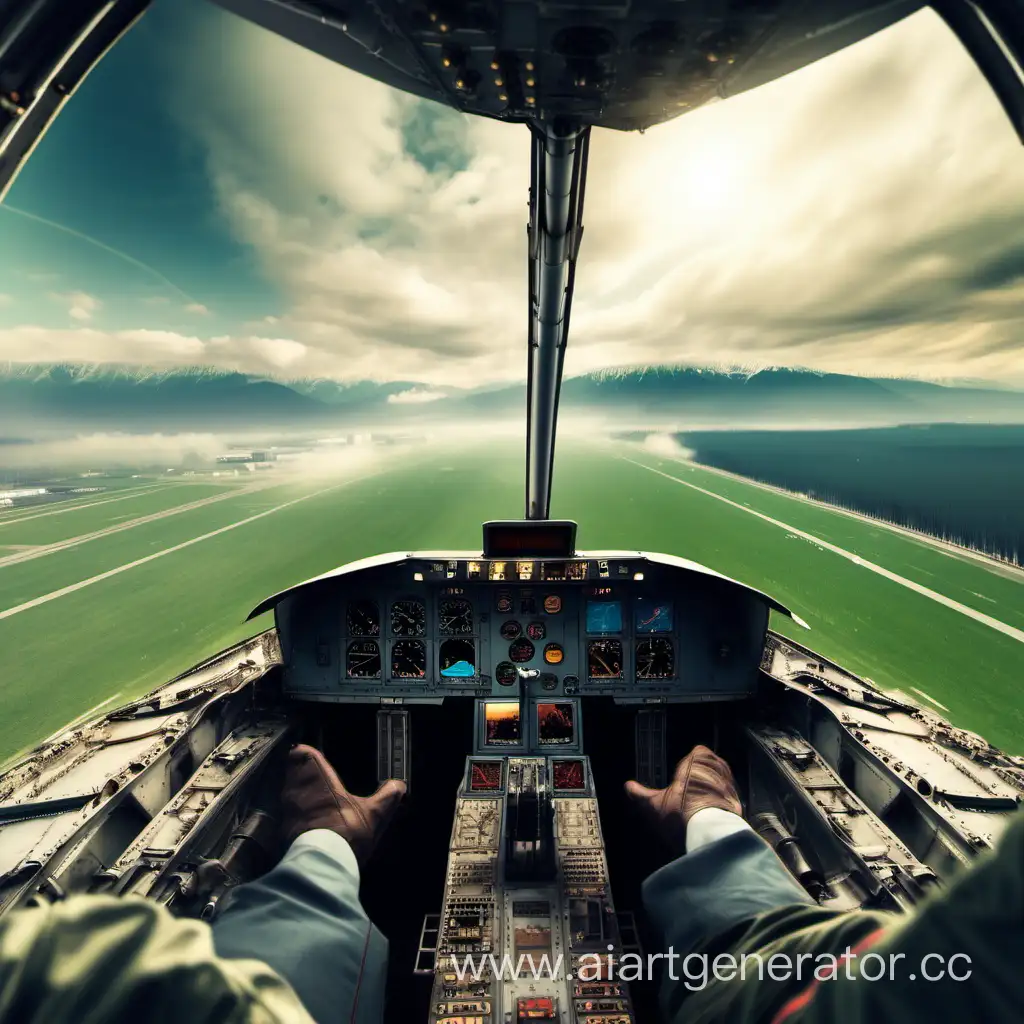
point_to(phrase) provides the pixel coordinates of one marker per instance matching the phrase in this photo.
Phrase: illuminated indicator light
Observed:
(530, 101)
(446, 62)
(495, 66)
(502, 97)
(713, 58)
(433, 15)
(529, 65)
(442, 27)
(499, 81)
(553, 654)
(460, 83)
(638, 575)
(531, 82)
(418, 577)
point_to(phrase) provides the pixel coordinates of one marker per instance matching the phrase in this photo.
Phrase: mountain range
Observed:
(46, 399)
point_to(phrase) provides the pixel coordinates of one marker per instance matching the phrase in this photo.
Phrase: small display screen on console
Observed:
(653, 616)
(604, 659)
(502, 724)
(556, 723)
(363, 658)
(457, 659)
(484, 776)
(604, 616)
(569, 775)
(516, 538)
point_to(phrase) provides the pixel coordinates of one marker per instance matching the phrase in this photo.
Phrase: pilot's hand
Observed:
(702, 779)
(314, 797)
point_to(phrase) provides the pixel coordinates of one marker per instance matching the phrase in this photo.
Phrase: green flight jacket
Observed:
(968, 937)
(103, 959)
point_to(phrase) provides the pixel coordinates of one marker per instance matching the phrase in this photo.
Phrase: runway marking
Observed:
(973, 613)
(72, 588)
(136, 492)
(41, 550)
(932, 699)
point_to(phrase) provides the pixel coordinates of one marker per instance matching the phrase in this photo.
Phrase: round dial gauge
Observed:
(409, 659)
(520, 650)
(511, 629)
(655, 659)
(536, 631)
(604, 659)
(363, 659)
(409, 618)
(504, 603)
(456, 616)
(363, 619)
(552, 604)
(553, 654)
(505, 673)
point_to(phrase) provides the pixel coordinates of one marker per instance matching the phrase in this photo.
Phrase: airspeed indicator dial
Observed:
(408, 618)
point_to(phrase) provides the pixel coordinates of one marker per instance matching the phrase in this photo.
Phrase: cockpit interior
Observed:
(478, 680)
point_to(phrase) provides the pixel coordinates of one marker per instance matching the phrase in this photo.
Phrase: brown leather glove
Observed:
(314, 797)
(702, 779)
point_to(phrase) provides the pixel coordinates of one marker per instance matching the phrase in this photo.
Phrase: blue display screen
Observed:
(604, 616)
(458, 658)
(653, 616)
(459, 670)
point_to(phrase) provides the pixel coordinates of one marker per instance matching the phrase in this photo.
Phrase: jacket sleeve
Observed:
(784, 960)
(97, 959)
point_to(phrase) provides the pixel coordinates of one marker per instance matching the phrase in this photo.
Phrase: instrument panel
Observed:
(418, 629)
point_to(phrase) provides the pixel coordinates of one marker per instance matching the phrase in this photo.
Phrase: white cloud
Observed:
(861, 215)
(5, 300)
(87, 345)
(81, 305)
(196, 307)
(415, 396)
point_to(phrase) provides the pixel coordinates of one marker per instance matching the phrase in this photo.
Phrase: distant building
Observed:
(258, 456)
(10, 497)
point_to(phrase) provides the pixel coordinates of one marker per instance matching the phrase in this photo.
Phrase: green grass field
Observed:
(149, 621)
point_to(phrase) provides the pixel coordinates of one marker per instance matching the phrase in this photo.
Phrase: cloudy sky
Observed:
(214, 195)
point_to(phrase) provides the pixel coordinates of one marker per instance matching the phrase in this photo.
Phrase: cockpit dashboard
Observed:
(517, 633)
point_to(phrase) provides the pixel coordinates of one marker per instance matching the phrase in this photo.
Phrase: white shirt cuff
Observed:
(711, 824)
(330, 843)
